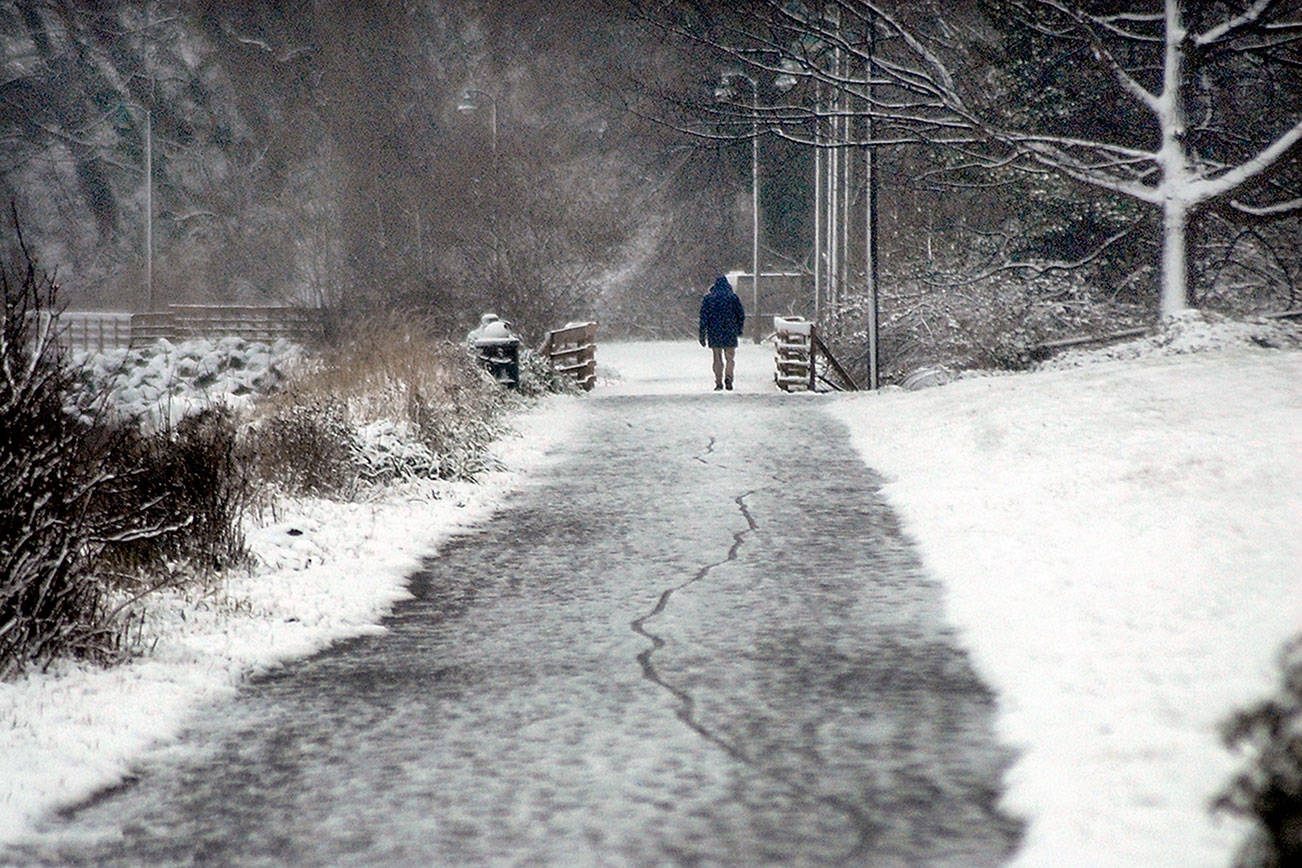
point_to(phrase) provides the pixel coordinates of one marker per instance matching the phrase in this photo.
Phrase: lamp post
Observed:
(832, 177)
(468, 104)
(149, 209)
(123, 108)
(723, 91)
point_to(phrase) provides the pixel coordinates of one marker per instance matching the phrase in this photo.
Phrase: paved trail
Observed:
(690, 642)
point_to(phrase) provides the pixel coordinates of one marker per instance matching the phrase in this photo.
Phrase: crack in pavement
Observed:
(686, 704)
(709, 449)
(866, 828)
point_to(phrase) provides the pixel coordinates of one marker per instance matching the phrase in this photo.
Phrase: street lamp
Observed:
(149, 193)
(468, 104)
(723, 92)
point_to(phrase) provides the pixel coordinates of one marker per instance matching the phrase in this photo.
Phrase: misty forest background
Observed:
(314, 153)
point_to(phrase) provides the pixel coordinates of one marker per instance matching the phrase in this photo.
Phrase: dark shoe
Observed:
(718, 387)
(727, 384)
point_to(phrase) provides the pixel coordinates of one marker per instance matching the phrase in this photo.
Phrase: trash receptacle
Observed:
(498, 350)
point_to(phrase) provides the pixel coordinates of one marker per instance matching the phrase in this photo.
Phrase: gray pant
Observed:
(723, 363)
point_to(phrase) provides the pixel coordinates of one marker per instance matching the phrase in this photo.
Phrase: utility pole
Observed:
(870, 221)
(149, 208)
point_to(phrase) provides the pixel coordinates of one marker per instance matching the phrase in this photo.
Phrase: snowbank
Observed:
(1120, 550)
(161, 382)
(325, 571)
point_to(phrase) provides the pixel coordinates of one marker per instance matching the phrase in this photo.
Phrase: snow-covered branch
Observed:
(1233, 26)
(1267, 210)
(1222, 184)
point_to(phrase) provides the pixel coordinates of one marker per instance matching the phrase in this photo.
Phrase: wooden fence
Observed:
(572, 351)
(99, 331)
(252, 322)
(92, 330)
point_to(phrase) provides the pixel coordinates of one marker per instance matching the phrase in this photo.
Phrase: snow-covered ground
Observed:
(1120, 548)
(1118, 542)
(325, 571)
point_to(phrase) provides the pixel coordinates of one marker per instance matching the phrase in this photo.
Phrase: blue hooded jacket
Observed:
(722, 316)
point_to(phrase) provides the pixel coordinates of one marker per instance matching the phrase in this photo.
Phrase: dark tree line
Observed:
(314, 152)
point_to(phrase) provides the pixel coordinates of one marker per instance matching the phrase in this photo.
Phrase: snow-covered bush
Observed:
(990, 323)
(95, 511)
(385, 451)
(391, 401)
(538, 378)
(1270, 789)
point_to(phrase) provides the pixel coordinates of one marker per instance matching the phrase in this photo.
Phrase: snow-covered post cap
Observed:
(791, 325)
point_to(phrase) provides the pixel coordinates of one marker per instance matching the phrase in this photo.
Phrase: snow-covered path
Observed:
(698, 637)
(1117, 547)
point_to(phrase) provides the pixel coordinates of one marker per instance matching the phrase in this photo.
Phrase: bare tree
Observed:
(1157, 116)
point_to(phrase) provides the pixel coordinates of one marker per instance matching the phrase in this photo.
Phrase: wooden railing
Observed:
(99, 331)
(797, 365)
(93, 330)
(572, 351)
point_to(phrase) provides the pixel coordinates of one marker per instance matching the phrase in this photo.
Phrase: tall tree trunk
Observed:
(1175, 268)
(1174, 159)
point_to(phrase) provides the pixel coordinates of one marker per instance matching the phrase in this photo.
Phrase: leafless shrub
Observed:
(93, 515)
(181, 494)
(305, 448)
(48, 604)
(1269, 790)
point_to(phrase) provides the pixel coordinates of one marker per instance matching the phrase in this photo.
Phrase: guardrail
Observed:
(572, 351)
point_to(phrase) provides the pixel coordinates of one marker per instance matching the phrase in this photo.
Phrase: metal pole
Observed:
(149, 208)
(870, 223)
(754, 208)
(818, 221)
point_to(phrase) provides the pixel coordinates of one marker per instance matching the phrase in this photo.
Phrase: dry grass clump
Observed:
(390, 400)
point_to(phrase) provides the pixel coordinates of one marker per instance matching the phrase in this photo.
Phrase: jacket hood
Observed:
(721, 285)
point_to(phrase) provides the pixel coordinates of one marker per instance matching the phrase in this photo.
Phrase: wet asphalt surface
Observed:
(699, 638)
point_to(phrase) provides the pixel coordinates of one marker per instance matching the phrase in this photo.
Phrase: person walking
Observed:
(722, 319)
